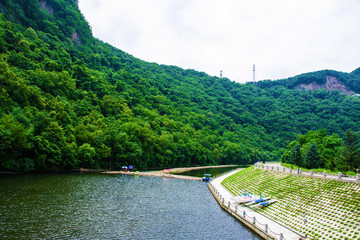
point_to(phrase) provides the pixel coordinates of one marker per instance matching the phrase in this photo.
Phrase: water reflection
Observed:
(96, 206)
(212, 171)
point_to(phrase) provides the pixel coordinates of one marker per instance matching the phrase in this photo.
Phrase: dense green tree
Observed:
(296, 157)
(331, 152)
(351, 150)
(13, 144)
(87, 153)
(312, 158)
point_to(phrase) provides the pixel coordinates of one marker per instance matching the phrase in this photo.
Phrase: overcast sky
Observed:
(282, 38)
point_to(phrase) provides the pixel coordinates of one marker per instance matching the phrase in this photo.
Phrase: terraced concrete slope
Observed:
(320, 208)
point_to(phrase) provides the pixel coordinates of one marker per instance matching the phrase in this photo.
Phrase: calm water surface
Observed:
(97, 206)
(212, 171)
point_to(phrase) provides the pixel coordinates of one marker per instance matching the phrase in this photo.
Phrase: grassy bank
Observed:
(331, 208)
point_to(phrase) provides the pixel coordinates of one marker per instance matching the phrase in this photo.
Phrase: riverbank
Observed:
(156, 174)
(321, 208)
(186, 169)
(173, 172)
(265, 227)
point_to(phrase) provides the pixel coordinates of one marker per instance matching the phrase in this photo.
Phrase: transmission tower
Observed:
(254, 72)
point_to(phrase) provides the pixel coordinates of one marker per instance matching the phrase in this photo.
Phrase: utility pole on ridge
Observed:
(254, 72)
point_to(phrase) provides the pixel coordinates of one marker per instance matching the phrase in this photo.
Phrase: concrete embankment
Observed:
(266, 228)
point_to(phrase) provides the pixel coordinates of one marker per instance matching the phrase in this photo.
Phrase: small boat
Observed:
(257, 201)
(267, 203)
(136, 173)
(207, 177)
(245, 198)
(263, 204)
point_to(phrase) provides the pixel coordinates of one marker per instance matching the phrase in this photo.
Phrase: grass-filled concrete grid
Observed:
(319, 208)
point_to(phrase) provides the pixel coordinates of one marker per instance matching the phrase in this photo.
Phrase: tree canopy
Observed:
(68, 100)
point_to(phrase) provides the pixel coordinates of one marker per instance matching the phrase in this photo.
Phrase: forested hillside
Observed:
(68, 100)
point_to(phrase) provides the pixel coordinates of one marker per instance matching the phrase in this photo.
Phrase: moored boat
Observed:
(257, 201)
(245, 198)
(207, 177)
(263, 204)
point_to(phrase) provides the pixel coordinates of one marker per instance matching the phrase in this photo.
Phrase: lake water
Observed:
(212, 171)
(99, 206)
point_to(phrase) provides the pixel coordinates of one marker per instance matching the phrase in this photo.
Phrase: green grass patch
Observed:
(323, 202)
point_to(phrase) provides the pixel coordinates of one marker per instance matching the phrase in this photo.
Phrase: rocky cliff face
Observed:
(46, 7)
(332, 83)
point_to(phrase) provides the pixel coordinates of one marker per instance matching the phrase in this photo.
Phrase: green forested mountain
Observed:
(350, 81)
(68, 100)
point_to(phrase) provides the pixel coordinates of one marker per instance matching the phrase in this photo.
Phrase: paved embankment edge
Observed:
(266, 227)
(247, 223)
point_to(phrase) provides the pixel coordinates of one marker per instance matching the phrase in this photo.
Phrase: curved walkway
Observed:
(254, 220)
(278, 167)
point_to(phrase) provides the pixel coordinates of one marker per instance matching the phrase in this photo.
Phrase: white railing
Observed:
(233, 209)
(300, 171)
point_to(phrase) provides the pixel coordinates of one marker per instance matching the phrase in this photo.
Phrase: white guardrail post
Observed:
(266, 226)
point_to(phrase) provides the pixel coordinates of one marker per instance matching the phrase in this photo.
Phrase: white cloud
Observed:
(283, 38)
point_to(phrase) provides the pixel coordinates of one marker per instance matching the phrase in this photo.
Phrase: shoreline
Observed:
(263, 225)
(160, 173)
(154, 174)
(90, 170)
(186, 169)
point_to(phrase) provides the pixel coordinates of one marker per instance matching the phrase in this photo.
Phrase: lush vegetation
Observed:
(330, 207)
(318, 149)
(68, 100)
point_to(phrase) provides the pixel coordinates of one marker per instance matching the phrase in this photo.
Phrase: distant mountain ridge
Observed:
(356, 72)
(330, 80)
